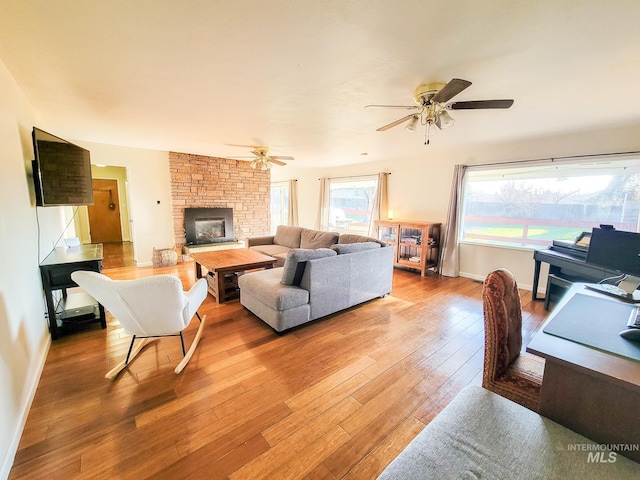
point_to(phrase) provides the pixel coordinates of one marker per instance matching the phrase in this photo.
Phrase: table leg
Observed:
(198, 270)
(220, 294)
(536, 279)
(103, 317)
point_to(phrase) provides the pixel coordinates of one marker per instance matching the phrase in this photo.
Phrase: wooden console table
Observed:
(77, 308)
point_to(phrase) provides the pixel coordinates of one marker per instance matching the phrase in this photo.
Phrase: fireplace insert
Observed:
(208, 225)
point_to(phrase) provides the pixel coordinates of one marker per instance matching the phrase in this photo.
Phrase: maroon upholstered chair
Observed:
(507, 371)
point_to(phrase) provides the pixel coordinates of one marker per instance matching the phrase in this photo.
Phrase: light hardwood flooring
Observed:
(336, 398)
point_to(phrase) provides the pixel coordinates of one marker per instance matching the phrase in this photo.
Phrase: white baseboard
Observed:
(480, 278)
(31, 384)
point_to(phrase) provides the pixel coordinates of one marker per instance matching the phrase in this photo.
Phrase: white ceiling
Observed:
(199, 76)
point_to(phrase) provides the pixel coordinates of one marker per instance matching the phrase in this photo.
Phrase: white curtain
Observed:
(293, 203)
(322, 218)
(380, 203)
(450, 257)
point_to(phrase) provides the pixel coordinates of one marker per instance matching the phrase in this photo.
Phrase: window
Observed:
(530, 205)
(351, 203)
(279, 205)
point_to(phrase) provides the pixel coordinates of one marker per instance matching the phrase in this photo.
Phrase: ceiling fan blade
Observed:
(477, 104)
(397, 122)
(277, 162)
(403, 107)
(450, 90)
(280, 157)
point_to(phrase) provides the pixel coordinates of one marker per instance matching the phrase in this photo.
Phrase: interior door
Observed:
(104, 214)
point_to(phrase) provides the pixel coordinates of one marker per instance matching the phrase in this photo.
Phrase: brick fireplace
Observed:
(199, 182)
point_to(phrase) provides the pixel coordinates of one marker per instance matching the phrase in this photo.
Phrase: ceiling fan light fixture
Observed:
(411, 126)
(444, 120)
(432, 103)
(265, 165)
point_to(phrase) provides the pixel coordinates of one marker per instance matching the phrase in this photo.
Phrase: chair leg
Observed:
(184, 352)
(126, 360)
(133, 352)
(192, 348)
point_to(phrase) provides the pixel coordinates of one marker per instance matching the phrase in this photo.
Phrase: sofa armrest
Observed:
(328, 282)
(261, 240)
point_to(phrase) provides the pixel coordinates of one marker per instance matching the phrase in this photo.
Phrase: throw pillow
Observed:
(296, 261)
(343, 248)
(288, 236)
(317, 239)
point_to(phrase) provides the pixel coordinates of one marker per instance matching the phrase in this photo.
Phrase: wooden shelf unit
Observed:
(416, 244)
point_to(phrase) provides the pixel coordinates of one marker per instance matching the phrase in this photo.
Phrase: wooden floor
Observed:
(117, 254)
(337, 398)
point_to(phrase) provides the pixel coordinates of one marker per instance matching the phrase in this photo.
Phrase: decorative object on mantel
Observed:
(431, 107)
(164, 257)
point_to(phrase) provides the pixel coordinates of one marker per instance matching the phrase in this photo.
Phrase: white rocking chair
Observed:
(147, 308)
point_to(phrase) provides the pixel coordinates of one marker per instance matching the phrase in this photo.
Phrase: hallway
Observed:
(117, 254)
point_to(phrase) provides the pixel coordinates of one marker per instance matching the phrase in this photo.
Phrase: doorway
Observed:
(104, 214)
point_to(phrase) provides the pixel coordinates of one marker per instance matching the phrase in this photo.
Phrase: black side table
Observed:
(73, 309)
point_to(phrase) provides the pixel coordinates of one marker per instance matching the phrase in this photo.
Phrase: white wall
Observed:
(150, 194)
(24, 336)
(419, 187)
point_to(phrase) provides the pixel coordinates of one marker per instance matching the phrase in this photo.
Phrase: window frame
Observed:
(572, 168)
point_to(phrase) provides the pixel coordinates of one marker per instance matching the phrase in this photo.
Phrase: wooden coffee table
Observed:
(222, 262)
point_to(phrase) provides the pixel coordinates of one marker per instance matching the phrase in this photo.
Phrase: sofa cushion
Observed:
(264, 285)
(318, 239)
(288, 236)
(280, 259)
(296, 260)
(352, 238)
(343, 248)
(271, 250)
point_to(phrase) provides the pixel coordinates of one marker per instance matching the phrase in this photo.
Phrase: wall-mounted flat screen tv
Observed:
(61, 171)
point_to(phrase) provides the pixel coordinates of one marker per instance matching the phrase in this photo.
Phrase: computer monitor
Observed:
(617, 250)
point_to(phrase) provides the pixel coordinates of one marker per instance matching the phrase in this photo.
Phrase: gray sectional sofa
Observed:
(322, 274)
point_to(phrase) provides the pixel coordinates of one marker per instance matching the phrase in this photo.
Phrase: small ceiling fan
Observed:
(431, 107)
(261, 160)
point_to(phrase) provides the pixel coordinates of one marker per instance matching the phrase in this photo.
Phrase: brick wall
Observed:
(200, 181)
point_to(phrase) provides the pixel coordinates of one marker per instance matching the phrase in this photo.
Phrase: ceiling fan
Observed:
(261, 160)
(431, 106)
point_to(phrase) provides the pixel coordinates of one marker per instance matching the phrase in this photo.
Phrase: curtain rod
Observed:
(552, 159)
(355, 176)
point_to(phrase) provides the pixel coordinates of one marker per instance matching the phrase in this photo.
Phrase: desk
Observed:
(572, 267)
(56, 272)
(590, 391)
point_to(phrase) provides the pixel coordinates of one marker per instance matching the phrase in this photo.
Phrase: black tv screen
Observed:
(615, 250)
(61, 171)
